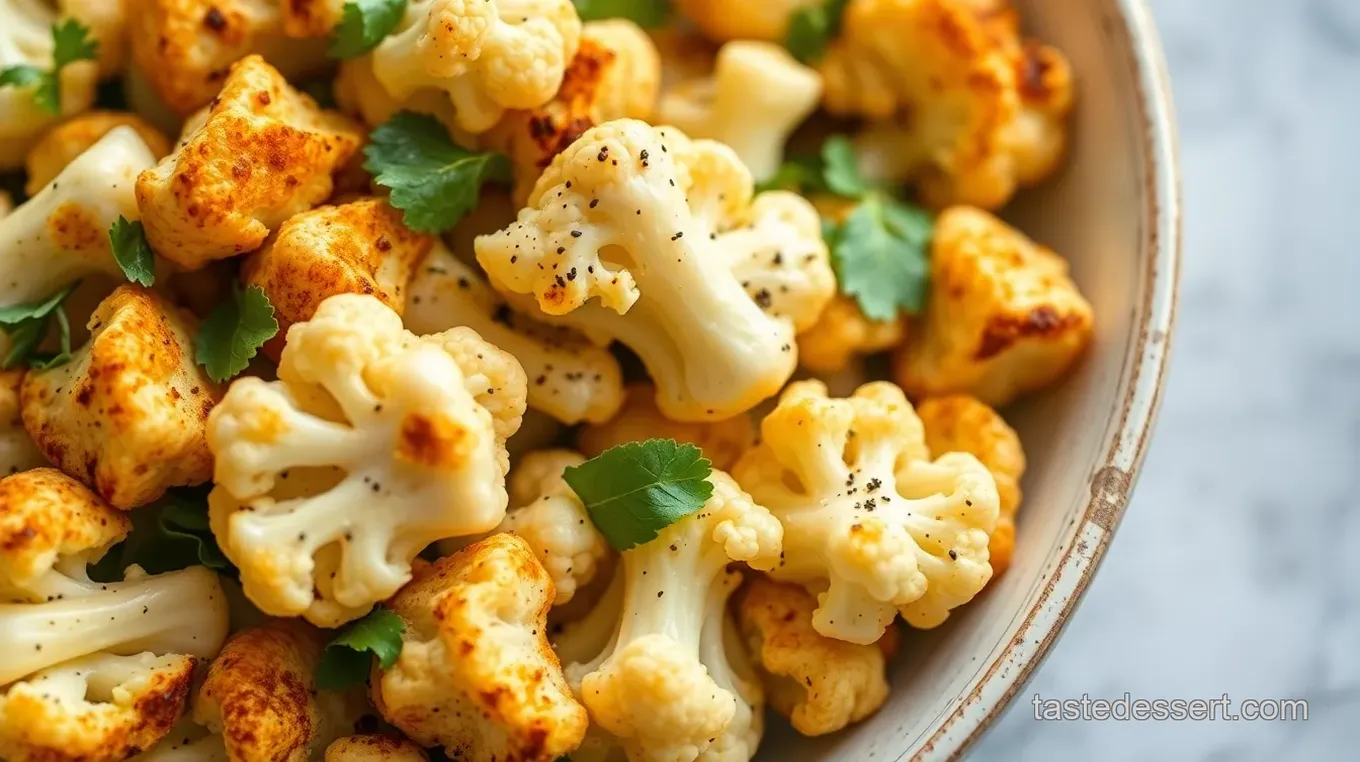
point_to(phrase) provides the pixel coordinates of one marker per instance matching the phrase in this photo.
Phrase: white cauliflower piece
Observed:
(866, 514)
(755, 99)
(372, 444)
(476, 674)
(723, 20)
(68, 140)
(656, 685)
(706, 286)
(359, 93)
(26, 40)
(262, 153)
(723, 442)
(17, 450)
(487, 55)
(570, 378)
(62, 233)
(127, 415)
(376, 747)
(721, 650)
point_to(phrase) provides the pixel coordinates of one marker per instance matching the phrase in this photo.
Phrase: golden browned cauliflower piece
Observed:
(964, 424)
(311, 18)
(821, 684)
(1003, 317)
(60, 146)
(722, 441)
(377, 747)
(724, 20)
(185, 48)
(127, 414)
(361, 247)
(264, 153)
(476, 673)
(17, 451)
(843, 333)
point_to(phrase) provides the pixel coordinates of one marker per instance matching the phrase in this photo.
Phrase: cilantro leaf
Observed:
(840, 168)
(812, 28)
(348, 658)
(49, 361)
(432, 180)
(634, 491)
(169, 535)
(801, 174)
(28, 324)
(234, 331)
(184, 520)
(71, 42)
(880, 257)
(364, 24)
(647, 14)
(132, 252)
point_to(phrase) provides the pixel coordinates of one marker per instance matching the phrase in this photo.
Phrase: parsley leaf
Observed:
(234, 331)
(169, 535)
(812, 28)
(647, 14)
(28, 324)
(634, 491)
(432, 180)
(348, 658)
(132, 252)
(364, 24)
(880, 256)
(70, 43)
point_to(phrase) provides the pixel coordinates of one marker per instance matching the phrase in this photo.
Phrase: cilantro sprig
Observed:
(812, 28)
(234, 332)
(648, 14)
(71, 42)
(132, 252)
(880, 252)
(28, 324)
(168, 535)
(433, 181)
(349, 656)
(363, 26)
(634, 491)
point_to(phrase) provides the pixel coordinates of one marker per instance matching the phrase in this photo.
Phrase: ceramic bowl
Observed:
(1114, 212)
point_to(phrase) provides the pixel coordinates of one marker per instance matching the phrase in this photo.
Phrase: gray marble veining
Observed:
(1237, 568)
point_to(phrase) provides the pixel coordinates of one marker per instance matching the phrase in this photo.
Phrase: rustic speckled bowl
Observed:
(1114, 212)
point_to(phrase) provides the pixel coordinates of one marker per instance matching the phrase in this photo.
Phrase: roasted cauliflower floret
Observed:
(26, 40)
(17, 450)
(723, 20)
(487, 55)
(372, 444)
(843, 333)
(821, 684)
(704, 284)
(311, 18)
(359, 94)
(68, 140)
(722, 442)
(964, 424)
(376, 747)
(62, 233)
(185, 48)
(1003, 318)
(570, 379)
(755, 99)
(866, 514)
(127, 415)
(264, 153)
(476, 674)
(361, 247)
(616, 74)
(659, 685)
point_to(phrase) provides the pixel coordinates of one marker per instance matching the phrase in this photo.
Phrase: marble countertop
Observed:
(1237, 568)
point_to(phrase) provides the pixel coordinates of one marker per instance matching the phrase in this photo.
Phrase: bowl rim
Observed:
(1112, 482)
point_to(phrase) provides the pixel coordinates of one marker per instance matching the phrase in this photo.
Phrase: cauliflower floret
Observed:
(570, 378)
(723, 20)
(616, 74)
(706, 286)
(26, 40)
(264, 153)
(359, 94)
(1003, 318)
(17, 451)
(487, 55)
(964, 424)
(311, 18)
(655, 685)
(127, 414)
(372, 444)
(866, 514)
(184, 48)
(97, 708)
(62, 233)
(821, 684)
(722, 651)
(375, 748)
(187, 741)
(476, 674)
(843, 333)
(67, 141)
(51, 527)
(723, 441)
(361, 247)
(755, 99)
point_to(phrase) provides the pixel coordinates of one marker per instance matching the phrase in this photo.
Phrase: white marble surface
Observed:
(1237, 568)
